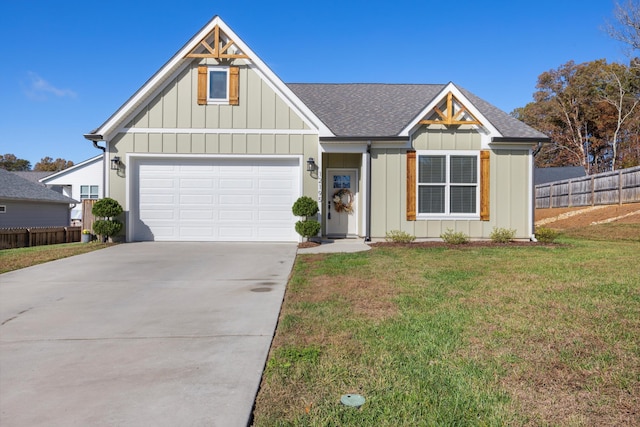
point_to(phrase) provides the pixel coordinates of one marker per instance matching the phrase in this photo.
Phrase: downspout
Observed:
(532, 189)
(95, 138)
(367, 237)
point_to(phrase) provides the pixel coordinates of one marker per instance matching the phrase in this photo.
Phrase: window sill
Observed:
(443, 217)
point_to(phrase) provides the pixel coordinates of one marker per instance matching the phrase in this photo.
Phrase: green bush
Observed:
(502, 235)
(107, 227)
(305, 206)
(454, 237)
(308, 228)
(398, 236)
(546, 235)
(106, 208)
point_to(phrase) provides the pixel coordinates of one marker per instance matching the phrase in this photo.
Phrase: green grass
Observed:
(14, 259)
(544, 335)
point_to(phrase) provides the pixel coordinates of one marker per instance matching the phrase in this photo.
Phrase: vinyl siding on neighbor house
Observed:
(509, 177)
(33, 214)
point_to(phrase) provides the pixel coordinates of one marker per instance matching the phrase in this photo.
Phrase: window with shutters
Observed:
(218, 85)
(448, 184)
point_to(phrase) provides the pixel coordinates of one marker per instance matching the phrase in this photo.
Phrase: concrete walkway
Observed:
(140, 334)
(336, 246)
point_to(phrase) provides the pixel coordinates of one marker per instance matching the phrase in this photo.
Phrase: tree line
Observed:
(591, 111)
(12, 163)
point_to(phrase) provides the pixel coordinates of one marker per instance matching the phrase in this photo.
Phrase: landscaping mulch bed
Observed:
(472, 244)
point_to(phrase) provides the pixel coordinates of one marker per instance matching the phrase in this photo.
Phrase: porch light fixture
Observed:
(115, 163)
(311, 165)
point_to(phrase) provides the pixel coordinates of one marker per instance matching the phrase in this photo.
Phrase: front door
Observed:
(341, 202)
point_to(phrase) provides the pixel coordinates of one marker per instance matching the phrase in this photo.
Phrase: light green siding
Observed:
(176, 107)
(509, 188)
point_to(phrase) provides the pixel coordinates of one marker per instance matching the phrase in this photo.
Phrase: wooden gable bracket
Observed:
(449, 117)
(218, 51)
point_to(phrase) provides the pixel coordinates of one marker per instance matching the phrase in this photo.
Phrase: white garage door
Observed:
(216, 199)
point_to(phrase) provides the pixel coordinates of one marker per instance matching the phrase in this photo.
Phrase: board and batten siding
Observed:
(176, 108)
(509, 174)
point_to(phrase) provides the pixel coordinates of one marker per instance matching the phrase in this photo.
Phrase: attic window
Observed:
(3, 209)
(218, 78)
(218, 85)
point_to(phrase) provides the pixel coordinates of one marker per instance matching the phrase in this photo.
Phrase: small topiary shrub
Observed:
(454, 237)
(502, 235)
(398, 236)
(107, 227)
(546, 235)
(305, 206)
(308, 228)
(106, 208)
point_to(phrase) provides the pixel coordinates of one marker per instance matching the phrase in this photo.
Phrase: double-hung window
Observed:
(448, 184)
(88, 192)
(218, 84)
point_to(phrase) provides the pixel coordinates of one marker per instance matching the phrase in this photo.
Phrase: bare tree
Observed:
(627, 27)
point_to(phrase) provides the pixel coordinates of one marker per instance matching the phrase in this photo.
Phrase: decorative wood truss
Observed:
(219, 46)
(455, 113)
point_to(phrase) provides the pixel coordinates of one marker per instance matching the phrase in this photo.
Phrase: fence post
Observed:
(620, 187)
(569, 195)
(593, 191)
(551, 195)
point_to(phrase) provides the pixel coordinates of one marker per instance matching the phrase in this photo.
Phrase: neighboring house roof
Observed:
(545, 175)
(71, 169)
(33, 176)
(14, 187)
(383, 110)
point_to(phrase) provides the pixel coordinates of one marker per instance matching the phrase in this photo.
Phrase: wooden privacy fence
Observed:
(87, 217)
(607, 188)
(36, 236)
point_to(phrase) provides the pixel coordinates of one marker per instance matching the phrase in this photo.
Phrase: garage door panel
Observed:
(216, 199)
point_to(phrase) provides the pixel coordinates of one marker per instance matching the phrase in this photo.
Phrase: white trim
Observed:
(178, 62)
(531, 196)
(218, 69)
(132, 159)
(356, 147)
(222, 131)
(365, 193)
(447, 184)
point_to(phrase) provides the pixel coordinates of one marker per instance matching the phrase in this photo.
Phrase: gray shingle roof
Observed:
(33, 176)
(14, 187)
(383, 110)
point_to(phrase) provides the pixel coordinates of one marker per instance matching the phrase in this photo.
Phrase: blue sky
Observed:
(68, 65)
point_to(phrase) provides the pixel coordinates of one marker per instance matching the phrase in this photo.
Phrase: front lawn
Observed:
(543, 335)
(14, 259)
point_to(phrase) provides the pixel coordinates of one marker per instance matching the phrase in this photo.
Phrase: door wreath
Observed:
(338, 201)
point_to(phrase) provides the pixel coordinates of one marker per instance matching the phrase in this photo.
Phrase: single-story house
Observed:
(214, 146)
(27, 204)
(81, 181)
(559, 173)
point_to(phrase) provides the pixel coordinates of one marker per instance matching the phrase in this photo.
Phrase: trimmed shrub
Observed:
(107, 227)
(308, 228)
(502, 235)
(398, 236)
(106, 208)
(454, 237)
(305, 206)
(546, 235)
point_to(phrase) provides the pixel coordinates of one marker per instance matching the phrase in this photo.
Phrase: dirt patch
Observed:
(584, 216)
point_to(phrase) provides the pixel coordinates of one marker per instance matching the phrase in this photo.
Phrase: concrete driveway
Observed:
(140, 334)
